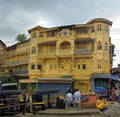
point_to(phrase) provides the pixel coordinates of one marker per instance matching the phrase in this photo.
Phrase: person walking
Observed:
(77, 99)
(24, 100)
(69, 99)
(117, 95)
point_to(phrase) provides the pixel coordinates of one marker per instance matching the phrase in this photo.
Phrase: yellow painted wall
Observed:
(55, 49)
(65, 62)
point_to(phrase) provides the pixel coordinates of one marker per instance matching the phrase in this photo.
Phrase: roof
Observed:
(36, 28)
(100, 20)
(11, 92)
(111, 44)
(2, 43)
(101, 75)
(15, 45)
(9, 84)
(70, 27)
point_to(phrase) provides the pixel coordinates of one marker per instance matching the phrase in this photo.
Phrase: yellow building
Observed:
(74, 51)
(71, 51)
(16, 59)
(2, 48)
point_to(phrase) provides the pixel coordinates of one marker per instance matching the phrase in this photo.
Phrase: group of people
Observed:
(73, 99)
(114, 94)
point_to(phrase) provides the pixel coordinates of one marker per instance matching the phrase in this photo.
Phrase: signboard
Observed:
(55, 80)
(28, 81)
(47, 80)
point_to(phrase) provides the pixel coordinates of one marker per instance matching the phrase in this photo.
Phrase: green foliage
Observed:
(21, 37)
(5, 77)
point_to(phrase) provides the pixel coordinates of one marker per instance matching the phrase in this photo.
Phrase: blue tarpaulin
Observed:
(114, 77)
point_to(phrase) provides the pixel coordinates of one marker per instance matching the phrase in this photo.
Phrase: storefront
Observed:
(63, 84)
(100, 83)
(31, 85)
(83, 85)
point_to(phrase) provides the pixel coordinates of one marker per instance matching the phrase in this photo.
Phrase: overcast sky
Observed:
(18, 16)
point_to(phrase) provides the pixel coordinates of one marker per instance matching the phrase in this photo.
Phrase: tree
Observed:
(5, 77)
(21, 37)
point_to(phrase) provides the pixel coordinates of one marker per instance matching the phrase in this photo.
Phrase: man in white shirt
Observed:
(69, 98)
(77, 99)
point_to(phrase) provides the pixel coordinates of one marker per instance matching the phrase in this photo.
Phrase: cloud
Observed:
(18, 16)
(115, 38)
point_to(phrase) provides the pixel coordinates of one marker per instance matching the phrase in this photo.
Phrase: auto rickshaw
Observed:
(9, 101)
(44, 98)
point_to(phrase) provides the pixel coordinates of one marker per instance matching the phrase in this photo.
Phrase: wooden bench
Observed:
(71, 103)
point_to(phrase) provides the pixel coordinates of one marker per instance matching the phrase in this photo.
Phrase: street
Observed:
(37, 115)
(68, 116)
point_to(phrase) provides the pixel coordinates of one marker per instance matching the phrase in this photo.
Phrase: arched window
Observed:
(85, 31)
(99, 66)
(82, 31)
(65, 45)
(40, 49)
(92, 29)
(33, 50)
(39, 66)
(32, 66)
(40, 34)
(106, 28)
(34, 35)
(99, 45)
(106, 46)
(99, 28)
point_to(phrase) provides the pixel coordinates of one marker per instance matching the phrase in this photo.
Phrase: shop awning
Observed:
(100, 75)
(8, 84)
(46, 91)
(115, 77)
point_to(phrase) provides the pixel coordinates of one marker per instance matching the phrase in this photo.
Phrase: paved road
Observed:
(69, 116)
(62, 113)
(57, 116)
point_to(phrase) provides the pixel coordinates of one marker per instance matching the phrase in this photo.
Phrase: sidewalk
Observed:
(70, 111)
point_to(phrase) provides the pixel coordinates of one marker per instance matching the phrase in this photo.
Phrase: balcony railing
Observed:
(22, 72)
(83, 51)
(47, 55)
(12, 52)
(65, 52)
(17, 62)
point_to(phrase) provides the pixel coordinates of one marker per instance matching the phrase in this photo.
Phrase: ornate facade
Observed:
(72, 51)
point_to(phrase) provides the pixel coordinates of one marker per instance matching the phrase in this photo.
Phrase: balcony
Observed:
(11, 53)
(21, 62)
(17, 62)
(21, 72)
(65, 52)
(82, 35)
(83, 51)
(47, 55)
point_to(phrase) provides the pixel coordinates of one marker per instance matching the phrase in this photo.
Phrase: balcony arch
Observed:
(33, 50)
(99, 45)
(65, 45)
